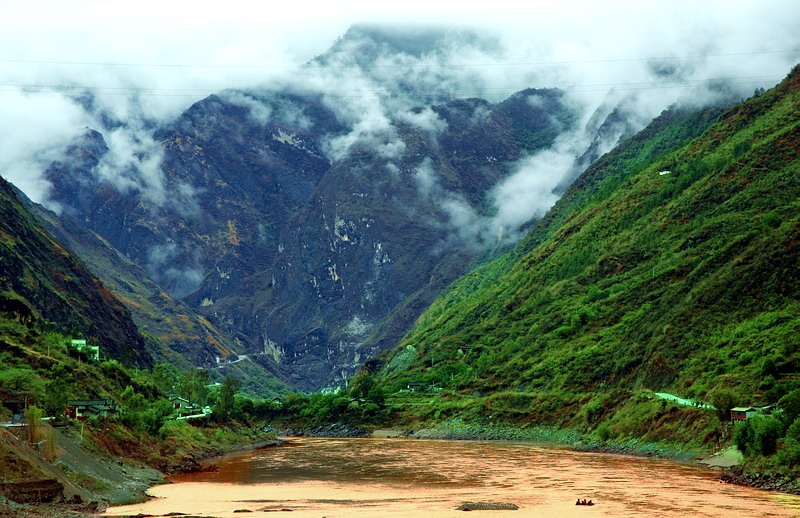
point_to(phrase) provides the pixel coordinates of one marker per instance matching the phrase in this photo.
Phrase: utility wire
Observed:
(410, 66)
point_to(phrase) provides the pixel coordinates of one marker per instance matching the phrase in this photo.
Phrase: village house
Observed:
(740, 413)
(82, 409)
(765, 408)
(91, 351)
(183, 406)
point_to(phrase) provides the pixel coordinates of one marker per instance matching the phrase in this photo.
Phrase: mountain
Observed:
(670, 264)
(44, 287)
(298, 255)
(307, 225)
(308, 232)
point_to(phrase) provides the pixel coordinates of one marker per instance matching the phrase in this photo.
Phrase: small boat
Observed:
(584, 502)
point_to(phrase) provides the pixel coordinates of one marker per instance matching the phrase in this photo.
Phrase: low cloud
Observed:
(425, 119)
(259, 112)
(76, 66)
(180, 280)
(531, 188)
(133, 163)
(35, 131)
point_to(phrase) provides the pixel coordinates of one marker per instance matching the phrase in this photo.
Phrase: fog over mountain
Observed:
(310, 181)
(120, 68)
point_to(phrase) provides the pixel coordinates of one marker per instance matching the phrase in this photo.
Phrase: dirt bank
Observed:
(78, 480)
(83, 478)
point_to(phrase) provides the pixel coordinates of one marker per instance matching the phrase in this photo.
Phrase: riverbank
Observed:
(726, 461)
(769, 481)
(94, 467)
(457, 429)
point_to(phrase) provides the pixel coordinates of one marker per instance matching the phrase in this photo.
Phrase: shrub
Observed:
(790, 405)
(34, 417)
(772, 219)
(758, 435)
(604, 433)
(723, 400)
(50, 451)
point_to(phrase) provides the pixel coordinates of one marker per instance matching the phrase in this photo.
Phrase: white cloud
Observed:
(259, 112)
(144, 62)
(425, 119)
(34, 130)
(530, 190)
(133, 162)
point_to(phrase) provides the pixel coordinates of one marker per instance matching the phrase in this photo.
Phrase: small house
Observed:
(82, 409)
(91, 351)
(183, 406)
(741, 413)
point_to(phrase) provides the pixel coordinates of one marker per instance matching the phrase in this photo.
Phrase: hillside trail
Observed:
(683, 401)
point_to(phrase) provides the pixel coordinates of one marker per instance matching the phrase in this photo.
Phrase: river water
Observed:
(314, 477)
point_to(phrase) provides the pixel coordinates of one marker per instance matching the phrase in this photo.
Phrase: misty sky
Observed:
(146, 61)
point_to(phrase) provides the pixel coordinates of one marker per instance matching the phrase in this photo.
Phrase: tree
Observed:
(790, 455)
(193, 386)
(133, 405)
(34, 417)
(226, 401)
(367, 388)
(154, 417)
(723, 400)
(790, 405)
(166, 377)
(20, 379)
(57, 392)
(758, 435)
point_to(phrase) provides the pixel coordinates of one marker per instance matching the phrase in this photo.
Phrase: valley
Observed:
(354, 250)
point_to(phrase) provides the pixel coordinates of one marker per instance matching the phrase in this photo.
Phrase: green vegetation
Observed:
(636, 282)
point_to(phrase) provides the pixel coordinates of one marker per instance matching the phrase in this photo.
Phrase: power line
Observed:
(410, 66)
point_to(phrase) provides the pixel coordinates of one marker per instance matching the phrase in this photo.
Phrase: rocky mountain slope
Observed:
(310, 238)
(311, 222)
(671, 264)
(42, 286)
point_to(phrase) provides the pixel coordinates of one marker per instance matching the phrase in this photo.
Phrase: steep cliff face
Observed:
(41, 281)
(299, 252)
(670, 264)
(376, 235)
(311, 227)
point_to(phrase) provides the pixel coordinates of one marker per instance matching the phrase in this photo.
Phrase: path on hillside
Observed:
(682, 401)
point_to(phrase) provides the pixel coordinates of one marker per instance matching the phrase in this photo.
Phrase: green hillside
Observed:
(670, 265)
(47, 298)
(173, 333)
(42, 286)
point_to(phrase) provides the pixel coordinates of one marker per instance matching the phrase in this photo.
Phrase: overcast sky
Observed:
(175, 52)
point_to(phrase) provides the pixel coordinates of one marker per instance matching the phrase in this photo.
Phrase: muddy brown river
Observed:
(406, 478)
